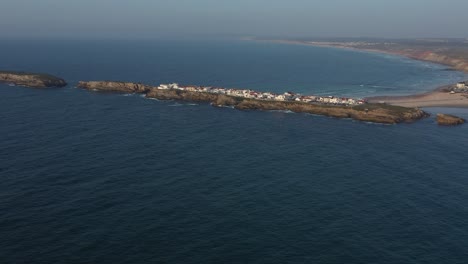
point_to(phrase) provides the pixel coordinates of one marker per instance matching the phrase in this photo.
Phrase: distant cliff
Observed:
(35, 80)
(456, 63)
(450, 53)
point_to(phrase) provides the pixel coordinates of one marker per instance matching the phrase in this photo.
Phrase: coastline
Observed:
(341, 47)
(439, 97)
(419, 55)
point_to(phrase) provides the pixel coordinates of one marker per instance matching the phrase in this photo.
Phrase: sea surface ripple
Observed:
(90, 177)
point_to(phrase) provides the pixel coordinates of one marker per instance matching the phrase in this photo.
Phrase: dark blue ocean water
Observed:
(91, 177)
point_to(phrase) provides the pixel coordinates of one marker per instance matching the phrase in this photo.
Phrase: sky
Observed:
(262, 18)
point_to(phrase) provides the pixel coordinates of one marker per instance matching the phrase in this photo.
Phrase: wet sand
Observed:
(437, 98)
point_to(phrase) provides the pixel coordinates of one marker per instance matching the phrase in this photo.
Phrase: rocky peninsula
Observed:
(34, 80)
(377, 113)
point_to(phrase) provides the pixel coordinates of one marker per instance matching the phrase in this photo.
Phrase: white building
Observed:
(280, 97)
(288, 96)
(461, 85)
(169, 86)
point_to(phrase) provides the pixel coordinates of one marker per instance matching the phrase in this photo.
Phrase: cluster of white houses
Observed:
(267, 96)
(461, 87)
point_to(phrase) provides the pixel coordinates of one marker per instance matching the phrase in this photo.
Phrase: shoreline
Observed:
(400, 53)
(435, 98)
(439, 97)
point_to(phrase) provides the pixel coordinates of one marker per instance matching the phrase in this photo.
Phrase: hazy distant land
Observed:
(450, 52)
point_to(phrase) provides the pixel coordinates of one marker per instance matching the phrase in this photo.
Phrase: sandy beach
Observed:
(437, 98)
(441, 97)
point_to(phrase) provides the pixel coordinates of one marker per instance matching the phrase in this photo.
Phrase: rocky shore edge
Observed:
(449, 120)
(33, 80)
(376, 113)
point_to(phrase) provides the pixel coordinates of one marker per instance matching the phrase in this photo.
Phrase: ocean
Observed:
(89, 177)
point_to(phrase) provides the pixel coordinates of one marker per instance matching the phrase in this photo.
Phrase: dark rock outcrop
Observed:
(449, 120)
(111, 86)
(34, 80)
(172, 94)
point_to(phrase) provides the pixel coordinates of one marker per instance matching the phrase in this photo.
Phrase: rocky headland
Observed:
(377, 113)
(449, 120)
(34, 80)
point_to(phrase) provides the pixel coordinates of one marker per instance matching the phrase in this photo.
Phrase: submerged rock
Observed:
(449, 120)
(34, 80)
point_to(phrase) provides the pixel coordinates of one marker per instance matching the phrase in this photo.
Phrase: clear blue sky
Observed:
(301, 18)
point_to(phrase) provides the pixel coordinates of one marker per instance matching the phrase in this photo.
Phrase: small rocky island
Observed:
(34, 80)
(252, 100)
(449, 120)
